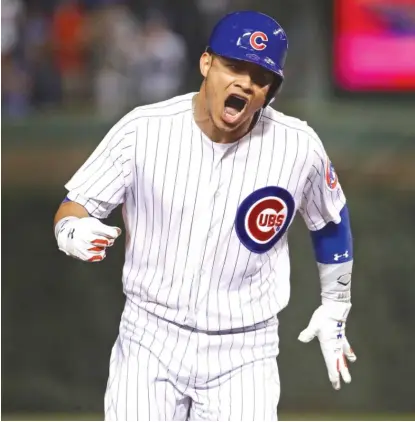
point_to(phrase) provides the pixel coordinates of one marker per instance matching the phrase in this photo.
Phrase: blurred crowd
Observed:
(108, 54)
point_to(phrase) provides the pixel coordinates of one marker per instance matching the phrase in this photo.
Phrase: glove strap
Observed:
(335, 280)
(339, 311)
(61, 224)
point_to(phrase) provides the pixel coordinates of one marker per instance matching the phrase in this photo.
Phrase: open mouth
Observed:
(234, 106)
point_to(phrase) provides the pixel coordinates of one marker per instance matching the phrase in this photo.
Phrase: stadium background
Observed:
(71, 68)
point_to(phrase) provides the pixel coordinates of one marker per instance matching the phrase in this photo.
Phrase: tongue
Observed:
(232, 111)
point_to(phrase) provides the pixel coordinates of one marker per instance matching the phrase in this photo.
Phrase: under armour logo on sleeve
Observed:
(337, 256)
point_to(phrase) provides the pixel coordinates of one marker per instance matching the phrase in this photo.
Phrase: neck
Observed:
(204, 121)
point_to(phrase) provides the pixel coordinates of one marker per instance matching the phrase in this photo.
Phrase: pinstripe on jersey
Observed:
(186, 271)
(184, 261)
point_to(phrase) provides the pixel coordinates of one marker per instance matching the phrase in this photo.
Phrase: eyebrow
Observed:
(265, 72)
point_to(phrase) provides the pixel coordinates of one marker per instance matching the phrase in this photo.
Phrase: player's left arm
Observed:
(326, 214)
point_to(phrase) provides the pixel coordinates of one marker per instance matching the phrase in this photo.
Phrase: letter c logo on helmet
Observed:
(253, 40)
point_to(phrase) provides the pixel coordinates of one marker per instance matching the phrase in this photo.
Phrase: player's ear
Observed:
(205, 63)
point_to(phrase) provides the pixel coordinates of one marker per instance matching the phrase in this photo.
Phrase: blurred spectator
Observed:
(37, 54)
(185, 19)
(114, 45)
(69, 47)
(12, 12)
(161, 62)
(212, 10)
(64, 51)
(15, 81)
(15, 88)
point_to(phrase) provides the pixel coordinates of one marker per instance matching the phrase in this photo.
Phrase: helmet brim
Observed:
(264, 62)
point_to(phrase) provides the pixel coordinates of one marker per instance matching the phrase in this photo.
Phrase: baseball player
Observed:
(209, 183)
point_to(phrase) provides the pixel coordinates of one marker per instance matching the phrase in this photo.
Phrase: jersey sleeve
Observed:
(323, 197)
(101, 183)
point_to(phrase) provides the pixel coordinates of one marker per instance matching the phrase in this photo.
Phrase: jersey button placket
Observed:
(205, 228)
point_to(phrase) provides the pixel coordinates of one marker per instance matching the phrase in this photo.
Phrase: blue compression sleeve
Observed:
(333, 243)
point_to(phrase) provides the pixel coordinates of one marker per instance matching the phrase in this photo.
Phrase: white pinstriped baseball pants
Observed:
(160, 371)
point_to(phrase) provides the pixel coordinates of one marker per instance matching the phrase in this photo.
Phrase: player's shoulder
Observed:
(139, 116)
(293, 124)
(171, 107)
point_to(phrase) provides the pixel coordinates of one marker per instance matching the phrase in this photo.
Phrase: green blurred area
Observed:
(354, 123)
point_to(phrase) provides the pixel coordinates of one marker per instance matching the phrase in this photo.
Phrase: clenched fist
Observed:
(85, 238)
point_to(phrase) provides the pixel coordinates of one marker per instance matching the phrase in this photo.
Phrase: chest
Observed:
(254, 185)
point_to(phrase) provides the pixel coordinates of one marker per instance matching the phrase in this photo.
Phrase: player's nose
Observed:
(245, 83)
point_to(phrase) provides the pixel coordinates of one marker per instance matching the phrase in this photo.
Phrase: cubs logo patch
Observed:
(263, 217)
(331, 176)
(258, 40)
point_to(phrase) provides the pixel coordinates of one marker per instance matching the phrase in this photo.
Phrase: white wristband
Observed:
(336, 310)
(335, 280)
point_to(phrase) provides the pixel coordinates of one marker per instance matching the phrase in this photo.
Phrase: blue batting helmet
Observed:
(252, 37)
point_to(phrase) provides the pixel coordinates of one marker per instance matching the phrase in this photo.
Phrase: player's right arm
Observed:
(69, 208)
(98, 187)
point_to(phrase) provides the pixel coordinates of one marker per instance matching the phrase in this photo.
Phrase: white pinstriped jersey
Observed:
(201, 247)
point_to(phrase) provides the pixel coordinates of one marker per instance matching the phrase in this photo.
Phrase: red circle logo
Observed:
(258, 40)
(265, 218)
(331, 176)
